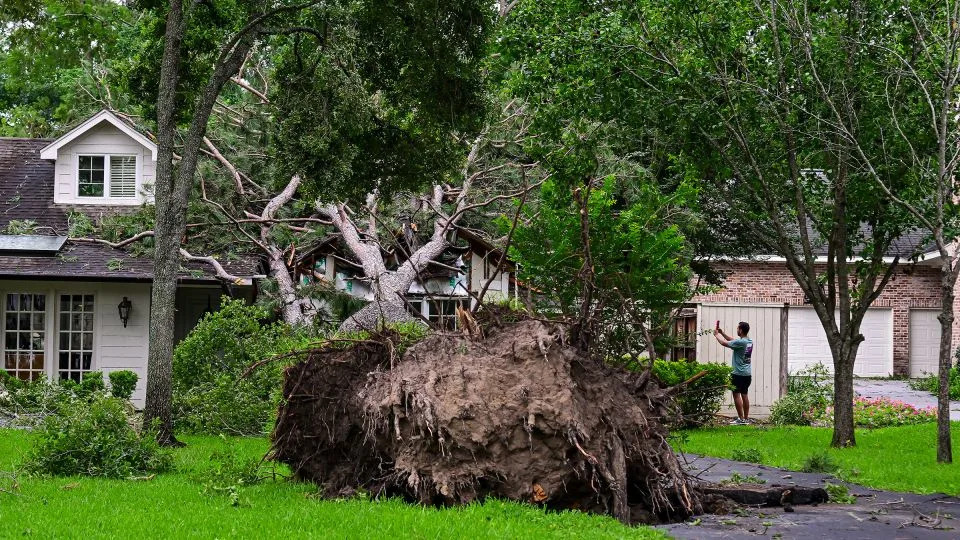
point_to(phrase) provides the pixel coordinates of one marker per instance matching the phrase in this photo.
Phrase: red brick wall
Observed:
(913, 286)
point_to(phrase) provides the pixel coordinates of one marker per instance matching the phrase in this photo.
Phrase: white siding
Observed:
(123, 348)
(115, 347)
(103, 139)
(764, 331)
(500, 285)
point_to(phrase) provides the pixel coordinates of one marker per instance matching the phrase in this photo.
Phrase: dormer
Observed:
(103, 161)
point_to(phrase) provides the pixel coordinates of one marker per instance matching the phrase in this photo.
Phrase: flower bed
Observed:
(875, 413)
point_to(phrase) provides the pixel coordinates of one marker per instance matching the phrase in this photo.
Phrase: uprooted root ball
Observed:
(518, 415)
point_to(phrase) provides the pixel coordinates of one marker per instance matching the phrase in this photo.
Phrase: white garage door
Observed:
(924, 341)
(807, 343)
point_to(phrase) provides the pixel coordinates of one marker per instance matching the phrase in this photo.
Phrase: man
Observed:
(742, 351)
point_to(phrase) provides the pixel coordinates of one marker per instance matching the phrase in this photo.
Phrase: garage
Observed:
(924, 342)
(807, 342)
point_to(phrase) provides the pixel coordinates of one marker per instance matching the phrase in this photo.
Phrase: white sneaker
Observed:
(736, 422)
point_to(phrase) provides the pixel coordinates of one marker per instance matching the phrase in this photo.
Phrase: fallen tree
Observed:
(520, 414)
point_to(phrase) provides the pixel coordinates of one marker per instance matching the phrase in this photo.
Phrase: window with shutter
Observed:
(123, 176)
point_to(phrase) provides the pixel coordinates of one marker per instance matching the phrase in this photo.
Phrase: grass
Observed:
(895, 458)
(174, 505)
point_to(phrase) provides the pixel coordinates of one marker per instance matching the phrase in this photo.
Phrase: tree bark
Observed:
(948, 279)
(172, 195)
(843, 432)
(157, 409)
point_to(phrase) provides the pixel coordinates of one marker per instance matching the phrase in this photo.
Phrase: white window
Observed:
(23, 335)
(75, 336)
(116, 181)
(443, 312)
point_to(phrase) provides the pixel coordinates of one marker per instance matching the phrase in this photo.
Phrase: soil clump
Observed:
(518, 414)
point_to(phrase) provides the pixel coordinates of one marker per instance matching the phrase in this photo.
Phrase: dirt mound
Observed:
(519, 415)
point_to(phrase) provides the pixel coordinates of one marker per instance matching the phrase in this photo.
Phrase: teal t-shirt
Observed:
(742, 353)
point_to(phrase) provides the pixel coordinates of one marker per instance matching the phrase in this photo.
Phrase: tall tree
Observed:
(916, 49)
(416, 57)
(722, 91)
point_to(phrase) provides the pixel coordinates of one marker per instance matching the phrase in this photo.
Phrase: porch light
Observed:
(124, 309)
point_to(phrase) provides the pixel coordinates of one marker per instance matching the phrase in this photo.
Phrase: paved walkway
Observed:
(877, 515)
(901, 391)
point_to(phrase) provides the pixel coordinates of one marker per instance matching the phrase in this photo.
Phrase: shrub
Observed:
(123, 383)
(876, 413)
(821, 462)
(700, 401)
(231, 406)
(807, 390)
(931, 383)
(91, 384)
(209, 395)
(94, 439)
(749, 455)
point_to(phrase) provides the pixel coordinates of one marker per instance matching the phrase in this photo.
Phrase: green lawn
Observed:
(898, 458)
(174, 505)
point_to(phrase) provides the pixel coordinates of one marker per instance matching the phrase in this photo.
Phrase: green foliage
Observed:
(807, 390)
(639, 259)
(209, 393)
(229, 471)
(91, 384)
(123, 383)
(737, 479)
(53, 56)
(931, 383)
(748, 455)
(79, 225)
(701, 399)
(820, 462)
(20, 226)
(94, 439)
(839, 494)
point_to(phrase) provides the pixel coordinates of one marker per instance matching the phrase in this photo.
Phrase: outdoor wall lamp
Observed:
(124, 309)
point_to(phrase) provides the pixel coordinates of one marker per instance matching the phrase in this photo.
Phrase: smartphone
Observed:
(717, 327)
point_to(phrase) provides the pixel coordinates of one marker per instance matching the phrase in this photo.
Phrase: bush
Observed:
(94, 439)
(123, 383)
(209, 395)
(91, 384)
(230, 406)
(807, 390)
(931, 383)
(876, 413)
(700, 401)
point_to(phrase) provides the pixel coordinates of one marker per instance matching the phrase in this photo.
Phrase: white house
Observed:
(74, 307)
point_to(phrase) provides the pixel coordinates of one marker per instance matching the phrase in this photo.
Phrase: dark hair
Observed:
(745, 327)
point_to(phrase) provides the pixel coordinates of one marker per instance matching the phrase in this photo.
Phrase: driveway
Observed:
(876, 515)
(901, 391)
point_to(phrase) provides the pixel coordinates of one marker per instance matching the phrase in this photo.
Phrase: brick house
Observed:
(901, 331)
(71, 307)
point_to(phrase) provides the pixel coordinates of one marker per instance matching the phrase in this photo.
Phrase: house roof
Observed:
(50, 151)
(26, 193)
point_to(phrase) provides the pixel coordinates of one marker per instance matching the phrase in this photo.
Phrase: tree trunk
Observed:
(167, 251)
(387, 305)
(948, 281)
(843, 434)
(296, 311)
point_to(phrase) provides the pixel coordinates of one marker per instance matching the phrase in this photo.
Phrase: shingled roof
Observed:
(26, 193)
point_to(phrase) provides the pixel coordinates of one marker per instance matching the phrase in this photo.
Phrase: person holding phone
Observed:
(742, 348)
